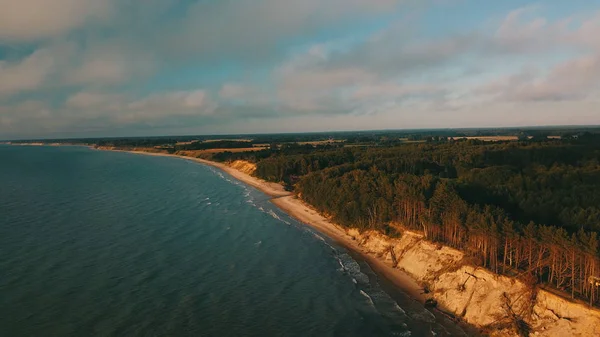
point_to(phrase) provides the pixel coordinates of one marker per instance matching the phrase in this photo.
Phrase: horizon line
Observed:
(567, 126)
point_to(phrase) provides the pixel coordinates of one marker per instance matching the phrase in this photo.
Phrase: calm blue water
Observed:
(99, 243)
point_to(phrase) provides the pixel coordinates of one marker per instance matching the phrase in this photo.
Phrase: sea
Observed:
(100, 243)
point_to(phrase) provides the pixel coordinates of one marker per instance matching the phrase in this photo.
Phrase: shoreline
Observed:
(271, 189)
(299, 210)
(471, 298)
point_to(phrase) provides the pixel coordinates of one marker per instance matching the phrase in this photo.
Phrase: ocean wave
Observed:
(398, 308)
(320, 238)
(342, 267)
(275, 216)
(353, 269)
(424, 315)
(369, 299)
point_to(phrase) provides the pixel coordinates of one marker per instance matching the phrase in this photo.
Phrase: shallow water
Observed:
(118, 244)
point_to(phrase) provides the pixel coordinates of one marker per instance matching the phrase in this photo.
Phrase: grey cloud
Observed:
(395, 51)
(571, 80)
(40, 19)
(103, 110)
(66, 64)
(28, 74)
(253, 30)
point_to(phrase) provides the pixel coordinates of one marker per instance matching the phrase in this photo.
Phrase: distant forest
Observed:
(529, 207)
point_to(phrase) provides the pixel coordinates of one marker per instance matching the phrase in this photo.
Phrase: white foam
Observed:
(275, 216)
(318, 237)
(353, 269)
(369, 299)
(425, 316)
(399, 308)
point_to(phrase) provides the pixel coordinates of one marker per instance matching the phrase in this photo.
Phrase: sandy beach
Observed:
(296, 208)
(302, 212)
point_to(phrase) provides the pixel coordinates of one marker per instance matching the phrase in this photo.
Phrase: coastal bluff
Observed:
(500, 305)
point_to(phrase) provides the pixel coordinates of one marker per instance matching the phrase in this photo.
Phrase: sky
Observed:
(75, 68)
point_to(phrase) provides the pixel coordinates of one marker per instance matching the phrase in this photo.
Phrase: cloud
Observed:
(96, 110)
(236, 91)
(587, 33)
(573, 79)
(39, 19)
(254, 30)
(86, 100)
(105, 64)
(27, 74)
(154, 108)
(62, 64)
(396, 91)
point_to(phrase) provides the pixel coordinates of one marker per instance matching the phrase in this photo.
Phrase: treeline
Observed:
(216, 144)
(519, 208)
(136, 142)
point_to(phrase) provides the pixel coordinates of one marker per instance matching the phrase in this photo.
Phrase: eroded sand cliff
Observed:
(480, 297)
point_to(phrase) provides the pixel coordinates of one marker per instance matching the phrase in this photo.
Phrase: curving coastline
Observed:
(295, 207)
(496, 304)
(298, 209)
